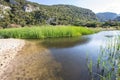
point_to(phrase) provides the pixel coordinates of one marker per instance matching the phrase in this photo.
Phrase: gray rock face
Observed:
(3, 10)
(4, 7)
(30, 8)
(1, 16)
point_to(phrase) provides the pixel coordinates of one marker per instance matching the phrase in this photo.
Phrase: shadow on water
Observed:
(65, 42)
(70, 52)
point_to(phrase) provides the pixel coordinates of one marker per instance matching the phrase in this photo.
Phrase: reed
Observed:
(37, 32)
(108, 63)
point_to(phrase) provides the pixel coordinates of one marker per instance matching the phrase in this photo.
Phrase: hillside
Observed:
(22, 12)
(105, 16)
(117, 18)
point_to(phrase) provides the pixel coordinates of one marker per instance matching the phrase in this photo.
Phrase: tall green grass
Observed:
(37, 32)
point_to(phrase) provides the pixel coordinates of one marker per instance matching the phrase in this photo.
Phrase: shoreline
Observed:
(98, 29)
(9, 48)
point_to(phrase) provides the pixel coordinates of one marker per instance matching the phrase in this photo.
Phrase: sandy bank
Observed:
(8, 50)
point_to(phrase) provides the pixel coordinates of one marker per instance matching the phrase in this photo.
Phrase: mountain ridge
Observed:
(106, 16)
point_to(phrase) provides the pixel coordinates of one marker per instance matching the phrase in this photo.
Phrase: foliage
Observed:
(54, 15)
(111, 23)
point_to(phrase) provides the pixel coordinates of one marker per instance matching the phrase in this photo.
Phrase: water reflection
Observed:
(65, 42)
(105, 68)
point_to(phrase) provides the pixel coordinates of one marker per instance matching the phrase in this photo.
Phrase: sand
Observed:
(8, 50)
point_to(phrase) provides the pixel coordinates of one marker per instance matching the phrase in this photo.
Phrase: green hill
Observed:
(22, 12)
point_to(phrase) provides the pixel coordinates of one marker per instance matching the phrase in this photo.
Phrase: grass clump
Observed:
(37, 32)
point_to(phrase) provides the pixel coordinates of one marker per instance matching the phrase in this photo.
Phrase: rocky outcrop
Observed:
(3, 10)
(1, 16)
(30, 8)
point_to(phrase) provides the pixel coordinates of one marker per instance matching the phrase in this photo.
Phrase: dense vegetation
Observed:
(54, 15)
(44, 32)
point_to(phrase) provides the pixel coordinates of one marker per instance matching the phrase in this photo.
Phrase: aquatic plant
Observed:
(37, 32)
(107, 64)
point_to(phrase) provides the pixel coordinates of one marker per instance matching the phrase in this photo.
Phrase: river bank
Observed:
(31, 62)
(98, 29)
(8, 50)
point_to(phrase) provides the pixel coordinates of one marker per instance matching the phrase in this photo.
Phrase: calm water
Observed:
(58, 59)
(71, 53)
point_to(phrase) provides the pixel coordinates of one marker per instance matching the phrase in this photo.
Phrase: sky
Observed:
(95, 5)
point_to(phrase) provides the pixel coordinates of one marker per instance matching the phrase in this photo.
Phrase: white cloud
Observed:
(101, 5)
(94, 5)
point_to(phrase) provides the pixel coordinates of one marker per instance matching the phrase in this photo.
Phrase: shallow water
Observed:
(57, 59)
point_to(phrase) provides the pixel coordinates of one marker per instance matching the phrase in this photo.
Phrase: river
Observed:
(58, 59)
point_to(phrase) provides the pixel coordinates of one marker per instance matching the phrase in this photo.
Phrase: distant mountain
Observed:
(105, 16)
(117, 18)
(23, 12)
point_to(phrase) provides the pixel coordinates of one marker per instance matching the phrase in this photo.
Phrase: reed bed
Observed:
(108, 62)
(41, 32)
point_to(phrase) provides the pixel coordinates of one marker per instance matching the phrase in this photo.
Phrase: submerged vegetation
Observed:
(44, 32)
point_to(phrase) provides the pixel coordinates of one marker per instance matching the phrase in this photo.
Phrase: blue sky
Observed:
(95, 5)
